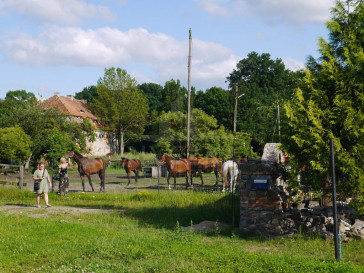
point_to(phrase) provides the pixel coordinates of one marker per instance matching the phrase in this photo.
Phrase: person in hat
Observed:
(62, 170)
(43, 182)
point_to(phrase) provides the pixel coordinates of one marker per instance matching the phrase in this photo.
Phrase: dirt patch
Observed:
(33, 211)
(117, 183)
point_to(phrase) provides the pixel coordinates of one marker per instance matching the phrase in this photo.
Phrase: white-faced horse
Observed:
(230, 168)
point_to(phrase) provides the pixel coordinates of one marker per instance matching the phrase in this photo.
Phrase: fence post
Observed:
(21, 177)
(158, 175)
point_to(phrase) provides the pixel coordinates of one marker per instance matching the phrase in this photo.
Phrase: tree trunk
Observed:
(28, 161)
(121, 142)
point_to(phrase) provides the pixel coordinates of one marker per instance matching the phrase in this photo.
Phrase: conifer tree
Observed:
(330, 104)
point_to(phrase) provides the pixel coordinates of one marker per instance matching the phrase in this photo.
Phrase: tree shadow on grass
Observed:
(168, 216)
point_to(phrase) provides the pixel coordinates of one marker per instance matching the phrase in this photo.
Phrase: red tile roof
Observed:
(70, 106)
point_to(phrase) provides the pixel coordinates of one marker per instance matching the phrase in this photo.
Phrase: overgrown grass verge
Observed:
(143, 234)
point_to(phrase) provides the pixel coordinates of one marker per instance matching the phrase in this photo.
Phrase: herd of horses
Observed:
(188, 166)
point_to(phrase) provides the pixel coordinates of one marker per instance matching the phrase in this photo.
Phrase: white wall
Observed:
(100, 146)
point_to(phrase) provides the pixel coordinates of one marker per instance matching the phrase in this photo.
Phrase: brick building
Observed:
(79, 110)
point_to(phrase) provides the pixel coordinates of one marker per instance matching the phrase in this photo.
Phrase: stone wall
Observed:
(266, 211)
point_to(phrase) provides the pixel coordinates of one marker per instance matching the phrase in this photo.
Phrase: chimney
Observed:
(56, 94)
(70, 96)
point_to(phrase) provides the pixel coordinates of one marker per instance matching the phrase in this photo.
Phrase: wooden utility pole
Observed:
(236, 106)
(189, 96)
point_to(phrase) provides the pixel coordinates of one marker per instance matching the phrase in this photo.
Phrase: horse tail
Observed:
(140, 165)
(225, 169)
(220, 165)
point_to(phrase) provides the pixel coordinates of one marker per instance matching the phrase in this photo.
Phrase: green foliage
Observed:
(174, 96)
(57, 145)
(330, 104)
(207, 137)
(120, 105)
(22, 109)
(218, 103)
(88, 93)
(14, 144)
(87, 128)
(154, 94)
(21, 97)
(242, 145)
(265, 83)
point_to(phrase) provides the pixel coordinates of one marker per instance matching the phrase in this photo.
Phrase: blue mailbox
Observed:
(261, 184)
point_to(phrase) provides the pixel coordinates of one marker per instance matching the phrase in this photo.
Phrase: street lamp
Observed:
(236, 104)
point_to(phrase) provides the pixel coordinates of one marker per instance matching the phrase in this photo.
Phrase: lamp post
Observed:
(236, 104)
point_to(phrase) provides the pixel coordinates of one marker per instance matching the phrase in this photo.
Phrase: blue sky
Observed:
(49, 46)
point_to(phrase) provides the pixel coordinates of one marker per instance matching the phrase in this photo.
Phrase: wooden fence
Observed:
(4, 168)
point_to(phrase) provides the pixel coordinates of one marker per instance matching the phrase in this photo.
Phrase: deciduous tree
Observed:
(120, 105)
(265, 83)
(14, 144)
(207, 137)
(88, 93)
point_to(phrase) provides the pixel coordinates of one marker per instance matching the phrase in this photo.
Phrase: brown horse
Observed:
(89, 166)
(131, 165)
(206, 165)
(176, 166)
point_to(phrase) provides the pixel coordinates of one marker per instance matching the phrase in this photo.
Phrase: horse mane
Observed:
(78, 154)
(172, 158)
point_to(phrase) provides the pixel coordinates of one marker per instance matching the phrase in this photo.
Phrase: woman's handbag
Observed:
(37, 184)
(56, 177)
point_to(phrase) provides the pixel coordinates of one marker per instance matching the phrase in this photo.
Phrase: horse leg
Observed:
(217, 177)
(129, 173)
(83, 182)
(186, 176)
(232, 177)
(201, 178)
(224, 183)
(174, 175)
(102, 181)
(190, 173)
(89, 181)
(136, 175)
(169, 175)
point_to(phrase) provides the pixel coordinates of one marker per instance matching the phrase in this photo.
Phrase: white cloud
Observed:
(269, 11)
(214, 7)
(293, 64)
(57, 11)
(105, 47)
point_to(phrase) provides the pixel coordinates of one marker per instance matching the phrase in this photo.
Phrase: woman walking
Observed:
(63, 183)
(41, 182)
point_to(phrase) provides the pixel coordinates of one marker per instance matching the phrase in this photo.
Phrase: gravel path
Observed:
(33, 211)
(117, 183)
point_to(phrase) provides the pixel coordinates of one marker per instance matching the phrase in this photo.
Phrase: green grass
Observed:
(143, 234)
